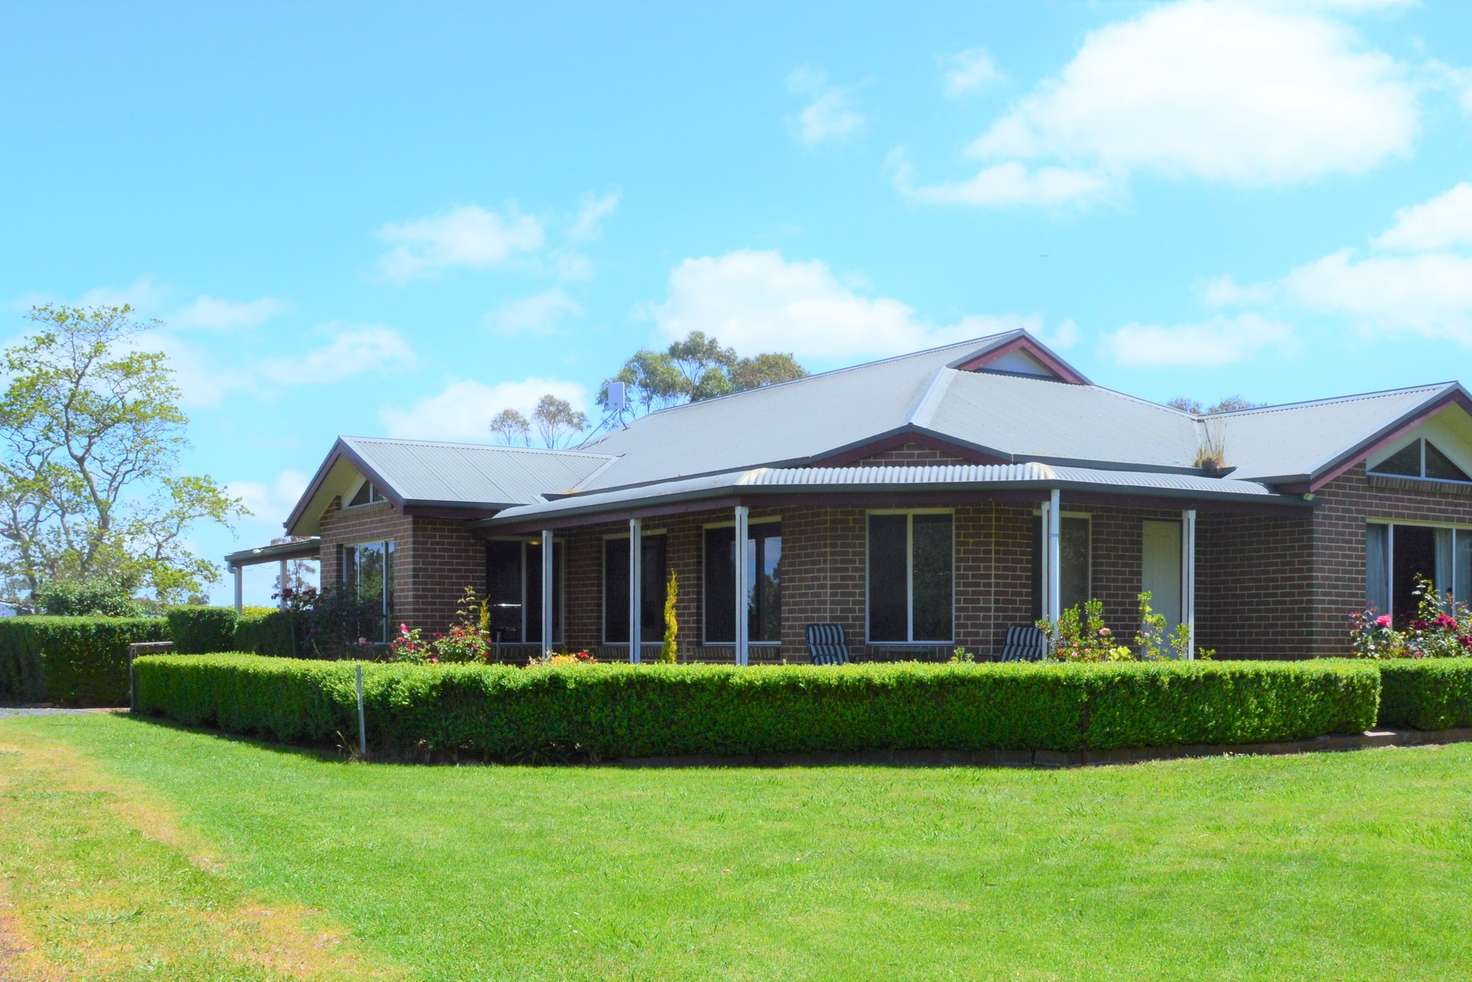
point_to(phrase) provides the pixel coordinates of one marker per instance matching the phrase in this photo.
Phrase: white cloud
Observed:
(1224, 291)
(145, 295)
(1219, 341)
(540, 313)
(468, 236)
(1002, 185)
(270, 502)
(591, 213)
(1061, 338)
(212, 313)
(759, 301)
(1442, 222)
(350, 351)
(1428, 294)
(969, 70)
(464, 408)
(1233, 92)
(829, 113)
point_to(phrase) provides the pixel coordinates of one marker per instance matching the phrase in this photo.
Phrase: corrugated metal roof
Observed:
(1033, 417)
(1299, 439)
(897, 478)
(778, 423)
(467, 473)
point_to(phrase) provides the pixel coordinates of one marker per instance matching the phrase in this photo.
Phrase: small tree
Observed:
(512, 427)
(556, 420)
(669, 651)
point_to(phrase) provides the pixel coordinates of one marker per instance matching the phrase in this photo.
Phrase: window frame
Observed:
(910, 514)
(390, 548)
(1456, 530)
(375, 497)
(705, 594)
(603, 585)
(1039, 588)
(560, 597)
(1422, 442)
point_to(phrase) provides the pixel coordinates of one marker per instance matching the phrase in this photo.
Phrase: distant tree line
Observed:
(696, 368)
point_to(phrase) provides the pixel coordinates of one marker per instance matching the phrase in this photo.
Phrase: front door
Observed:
(1160, 571)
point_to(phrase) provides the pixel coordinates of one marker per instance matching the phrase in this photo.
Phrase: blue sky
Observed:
(398, 219)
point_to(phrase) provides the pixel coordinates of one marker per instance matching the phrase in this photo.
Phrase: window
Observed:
(1075, 561)
(616, 589)
(514, 590)
(1421, 458)
(366, 572)
(910, 576)
(763, 557)
(1397, 554)
(367, 495)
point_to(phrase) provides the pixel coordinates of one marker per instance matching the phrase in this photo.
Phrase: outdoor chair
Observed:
(827, 644)
(1024, 643)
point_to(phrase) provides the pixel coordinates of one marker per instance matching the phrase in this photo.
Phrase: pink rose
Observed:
(1383, 620)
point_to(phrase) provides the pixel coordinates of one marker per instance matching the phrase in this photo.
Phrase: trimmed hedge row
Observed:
(75, 661)
(265, 633)
(632, 711)
(200, 630)
(1430, 694)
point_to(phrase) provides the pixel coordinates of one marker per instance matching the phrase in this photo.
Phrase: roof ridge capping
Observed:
(459, 444)
(988, 342)
(1330, 400)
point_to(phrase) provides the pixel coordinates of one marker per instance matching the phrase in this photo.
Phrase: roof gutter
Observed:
(745, 491)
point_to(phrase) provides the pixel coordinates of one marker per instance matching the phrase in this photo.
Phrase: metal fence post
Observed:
(362, 723)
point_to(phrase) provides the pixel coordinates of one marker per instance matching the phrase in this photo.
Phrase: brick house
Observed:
(922, 502)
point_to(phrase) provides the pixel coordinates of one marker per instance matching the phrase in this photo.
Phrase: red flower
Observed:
(1383, 620)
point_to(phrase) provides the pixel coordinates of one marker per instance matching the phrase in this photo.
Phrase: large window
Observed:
(1421, 458)
(763, 559)
(910, 575)
(1397, 554)
(1074, 568)
(514, 590)
(616, 589)
(366, 572)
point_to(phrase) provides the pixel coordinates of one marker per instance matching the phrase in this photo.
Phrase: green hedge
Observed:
(1430, 694)
(617, 710)
(75, 661)
(268, 633)
(200, 630)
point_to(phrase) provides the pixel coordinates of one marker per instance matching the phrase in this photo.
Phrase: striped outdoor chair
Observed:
(827, 644)
(1024, 643)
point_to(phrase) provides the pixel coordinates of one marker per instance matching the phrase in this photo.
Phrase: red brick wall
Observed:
(912, 453)
(1274, 585)
(434, 558)
(1339, 515)
(1254, 574)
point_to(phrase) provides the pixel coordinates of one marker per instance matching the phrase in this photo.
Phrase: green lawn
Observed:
(205, 850)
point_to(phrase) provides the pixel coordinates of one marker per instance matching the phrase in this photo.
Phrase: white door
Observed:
(1161, 569)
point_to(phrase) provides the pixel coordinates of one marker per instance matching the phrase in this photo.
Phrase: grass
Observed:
(1336, 865)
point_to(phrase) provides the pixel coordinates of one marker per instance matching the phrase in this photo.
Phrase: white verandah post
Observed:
(738, 550)
(549, 588)
(1054, 558)
(239, 572)
(636, 550)
(1188, 577)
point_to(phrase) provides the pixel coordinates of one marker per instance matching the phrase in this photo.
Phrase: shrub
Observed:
(75, 661)
(618, 710)
(266, 633)
(669, 648)
(88, 598)
(1426, 694)
(199, 630)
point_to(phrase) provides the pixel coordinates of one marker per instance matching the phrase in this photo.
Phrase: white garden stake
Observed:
(362, 725)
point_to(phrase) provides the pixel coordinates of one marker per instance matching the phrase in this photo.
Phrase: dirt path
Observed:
(98, 878)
